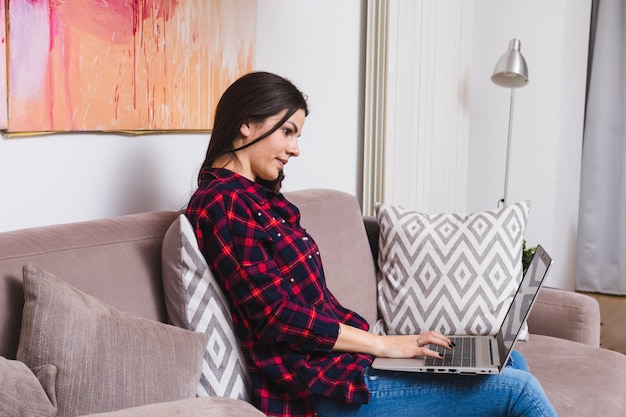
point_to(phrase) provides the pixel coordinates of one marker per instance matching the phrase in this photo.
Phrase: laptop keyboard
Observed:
(463, 354)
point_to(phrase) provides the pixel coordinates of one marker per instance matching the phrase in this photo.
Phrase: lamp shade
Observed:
(511, 70)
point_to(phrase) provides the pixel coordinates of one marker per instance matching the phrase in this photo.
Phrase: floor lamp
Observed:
(511, 72)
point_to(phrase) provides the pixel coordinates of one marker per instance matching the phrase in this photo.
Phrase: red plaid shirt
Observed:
(284, 315)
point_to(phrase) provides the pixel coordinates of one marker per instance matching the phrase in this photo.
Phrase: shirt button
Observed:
(292, 280)
(282, 220)
(310, 256)
(317, 253)
(259, 214)
(278, 234)
(305, 238)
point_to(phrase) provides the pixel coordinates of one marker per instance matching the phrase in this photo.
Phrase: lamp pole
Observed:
(510, 71)
(505, 199)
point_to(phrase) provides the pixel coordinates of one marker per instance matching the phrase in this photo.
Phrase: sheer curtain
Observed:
(601, 260)
(416, 145)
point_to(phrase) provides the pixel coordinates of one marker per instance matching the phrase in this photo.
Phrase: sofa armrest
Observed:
(192, 407)
(567, 315)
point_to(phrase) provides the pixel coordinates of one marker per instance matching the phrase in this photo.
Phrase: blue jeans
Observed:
(515, 392)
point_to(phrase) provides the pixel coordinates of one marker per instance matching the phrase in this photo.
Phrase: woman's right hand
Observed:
(355, 340)
(408, 346)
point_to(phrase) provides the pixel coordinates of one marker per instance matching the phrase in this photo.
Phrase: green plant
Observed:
(527, 255)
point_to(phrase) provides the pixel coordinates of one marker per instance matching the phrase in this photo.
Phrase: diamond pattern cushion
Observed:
(195, 301)
(105, 359)
(449, 272)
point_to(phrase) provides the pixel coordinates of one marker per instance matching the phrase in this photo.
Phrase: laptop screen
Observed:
(524, 299)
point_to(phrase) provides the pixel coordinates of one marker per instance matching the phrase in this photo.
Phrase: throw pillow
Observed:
(27, 393)
(106, 359)
(449, 272)
(195, 301)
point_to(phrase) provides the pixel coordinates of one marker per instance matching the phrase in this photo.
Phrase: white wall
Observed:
(319, 46)
(548, 119)
(73, 177)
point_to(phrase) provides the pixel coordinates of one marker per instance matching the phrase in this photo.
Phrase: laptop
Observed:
(477, 355)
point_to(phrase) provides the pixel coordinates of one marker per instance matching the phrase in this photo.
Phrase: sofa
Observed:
(117, 261)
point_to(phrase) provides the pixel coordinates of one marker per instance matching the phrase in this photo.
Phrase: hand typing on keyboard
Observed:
(462, 354)
(393, 346)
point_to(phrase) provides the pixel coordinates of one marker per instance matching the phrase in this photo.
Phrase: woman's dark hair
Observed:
(253, 97)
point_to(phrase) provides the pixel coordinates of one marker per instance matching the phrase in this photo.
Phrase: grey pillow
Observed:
(194, 301)
(106, 359)
(455, 273)
(27, 393)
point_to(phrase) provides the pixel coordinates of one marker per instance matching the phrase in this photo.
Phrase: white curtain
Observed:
(601, 259)
(416, 145)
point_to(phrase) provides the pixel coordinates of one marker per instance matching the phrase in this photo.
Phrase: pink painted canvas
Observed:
(3, 69)
(124, 65)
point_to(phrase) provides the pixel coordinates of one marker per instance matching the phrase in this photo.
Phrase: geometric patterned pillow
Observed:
(194, 301)
(453, 273)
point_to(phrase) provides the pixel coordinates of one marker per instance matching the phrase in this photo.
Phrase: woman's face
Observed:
(266, 158)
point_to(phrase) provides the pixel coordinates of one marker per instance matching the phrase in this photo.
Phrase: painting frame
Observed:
(158, 66)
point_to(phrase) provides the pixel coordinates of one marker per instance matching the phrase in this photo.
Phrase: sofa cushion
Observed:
(25, 392)
(117, 259)
(193, 407)
(194, 301)
(335, 221)
(106, 359)
(449, 272)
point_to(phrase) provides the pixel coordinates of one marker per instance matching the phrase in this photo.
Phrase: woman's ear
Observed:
(245, 129)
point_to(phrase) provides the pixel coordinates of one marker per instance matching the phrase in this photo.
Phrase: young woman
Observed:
(307, 355)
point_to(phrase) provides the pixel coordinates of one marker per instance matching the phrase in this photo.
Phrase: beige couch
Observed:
(119, 262)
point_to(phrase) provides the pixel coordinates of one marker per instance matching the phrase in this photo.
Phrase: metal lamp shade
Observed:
(511, 70)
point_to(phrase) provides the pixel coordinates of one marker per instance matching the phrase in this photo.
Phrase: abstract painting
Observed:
(123, 65)
(3, 69)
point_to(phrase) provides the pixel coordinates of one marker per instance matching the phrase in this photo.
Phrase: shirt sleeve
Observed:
(241, 252)
(347, 316)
